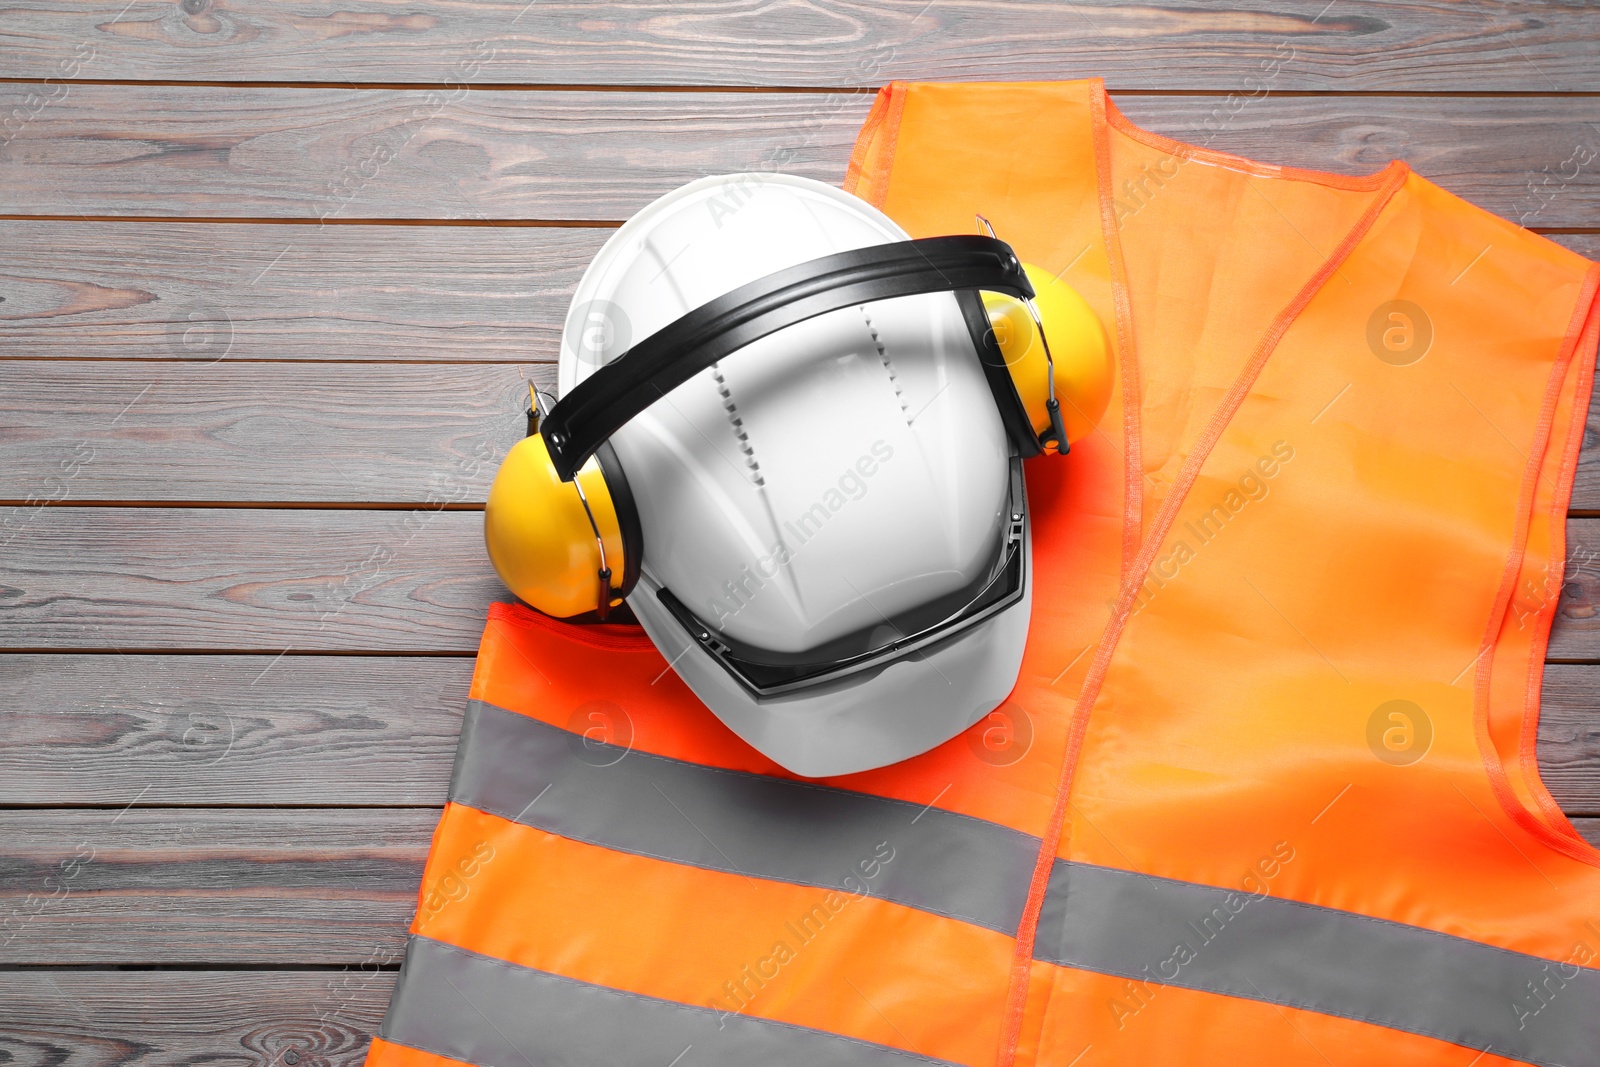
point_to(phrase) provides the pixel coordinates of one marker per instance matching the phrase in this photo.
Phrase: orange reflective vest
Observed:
(1266, 790)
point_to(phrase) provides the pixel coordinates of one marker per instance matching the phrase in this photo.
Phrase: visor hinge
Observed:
(713, 644)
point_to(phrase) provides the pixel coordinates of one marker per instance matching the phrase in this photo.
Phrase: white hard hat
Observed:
(835, 548)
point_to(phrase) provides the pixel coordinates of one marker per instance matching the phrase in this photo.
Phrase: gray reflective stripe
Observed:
(490, 1013)
(1403, 977)
(533, 773)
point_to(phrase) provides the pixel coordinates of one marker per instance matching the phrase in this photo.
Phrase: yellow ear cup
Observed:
(1077, 344)
(539, 537)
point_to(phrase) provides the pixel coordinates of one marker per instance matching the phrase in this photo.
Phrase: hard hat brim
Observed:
(855, 724)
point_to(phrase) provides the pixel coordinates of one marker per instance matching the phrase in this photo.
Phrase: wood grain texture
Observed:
(103, 728)
(1586, 481)
(146, 579)
(495, 154)
(142, 430)
(183, 1019)
(209, 885)
(1417, 45)
(1569, 740)
(225, 730)
(321, 154)
(175, 578)
(1575, 636)
(159, 290)
(1585, 244)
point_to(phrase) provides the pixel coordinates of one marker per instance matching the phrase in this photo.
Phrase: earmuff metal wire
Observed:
(542, 405)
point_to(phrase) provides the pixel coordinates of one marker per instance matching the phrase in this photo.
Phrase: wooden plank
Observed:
(145, 579)
(142, 430)
(207, 730)
(1586, 481)
(174, 578)
(414, 154)
(180, 1019)
(209, 885)
(496, 154)
(1575, 635)
(112, 729)
(195, 291)
(1421, 44)
(1585, 244)
(1569, 739)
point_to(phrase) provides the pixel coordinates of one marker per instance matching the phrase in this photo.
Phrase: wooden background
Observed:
(273, 276)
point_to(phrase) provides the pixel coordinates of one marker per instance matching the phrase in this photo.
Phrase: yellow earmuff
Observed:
(1078, 349)
(557, 545)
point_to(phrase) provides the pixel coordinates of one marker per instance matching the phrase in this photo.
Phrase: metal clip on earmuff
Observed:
(1058, 429)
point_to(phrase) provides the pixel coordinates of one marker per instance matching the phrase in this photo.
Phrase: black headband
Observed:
(603, 403)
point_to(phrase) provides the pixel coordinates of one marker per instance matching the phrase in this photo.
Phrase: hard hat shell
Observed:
(814, 487)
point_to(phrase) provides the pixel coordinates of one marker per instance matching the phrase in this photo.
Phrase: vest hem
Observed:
(1546, 824)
